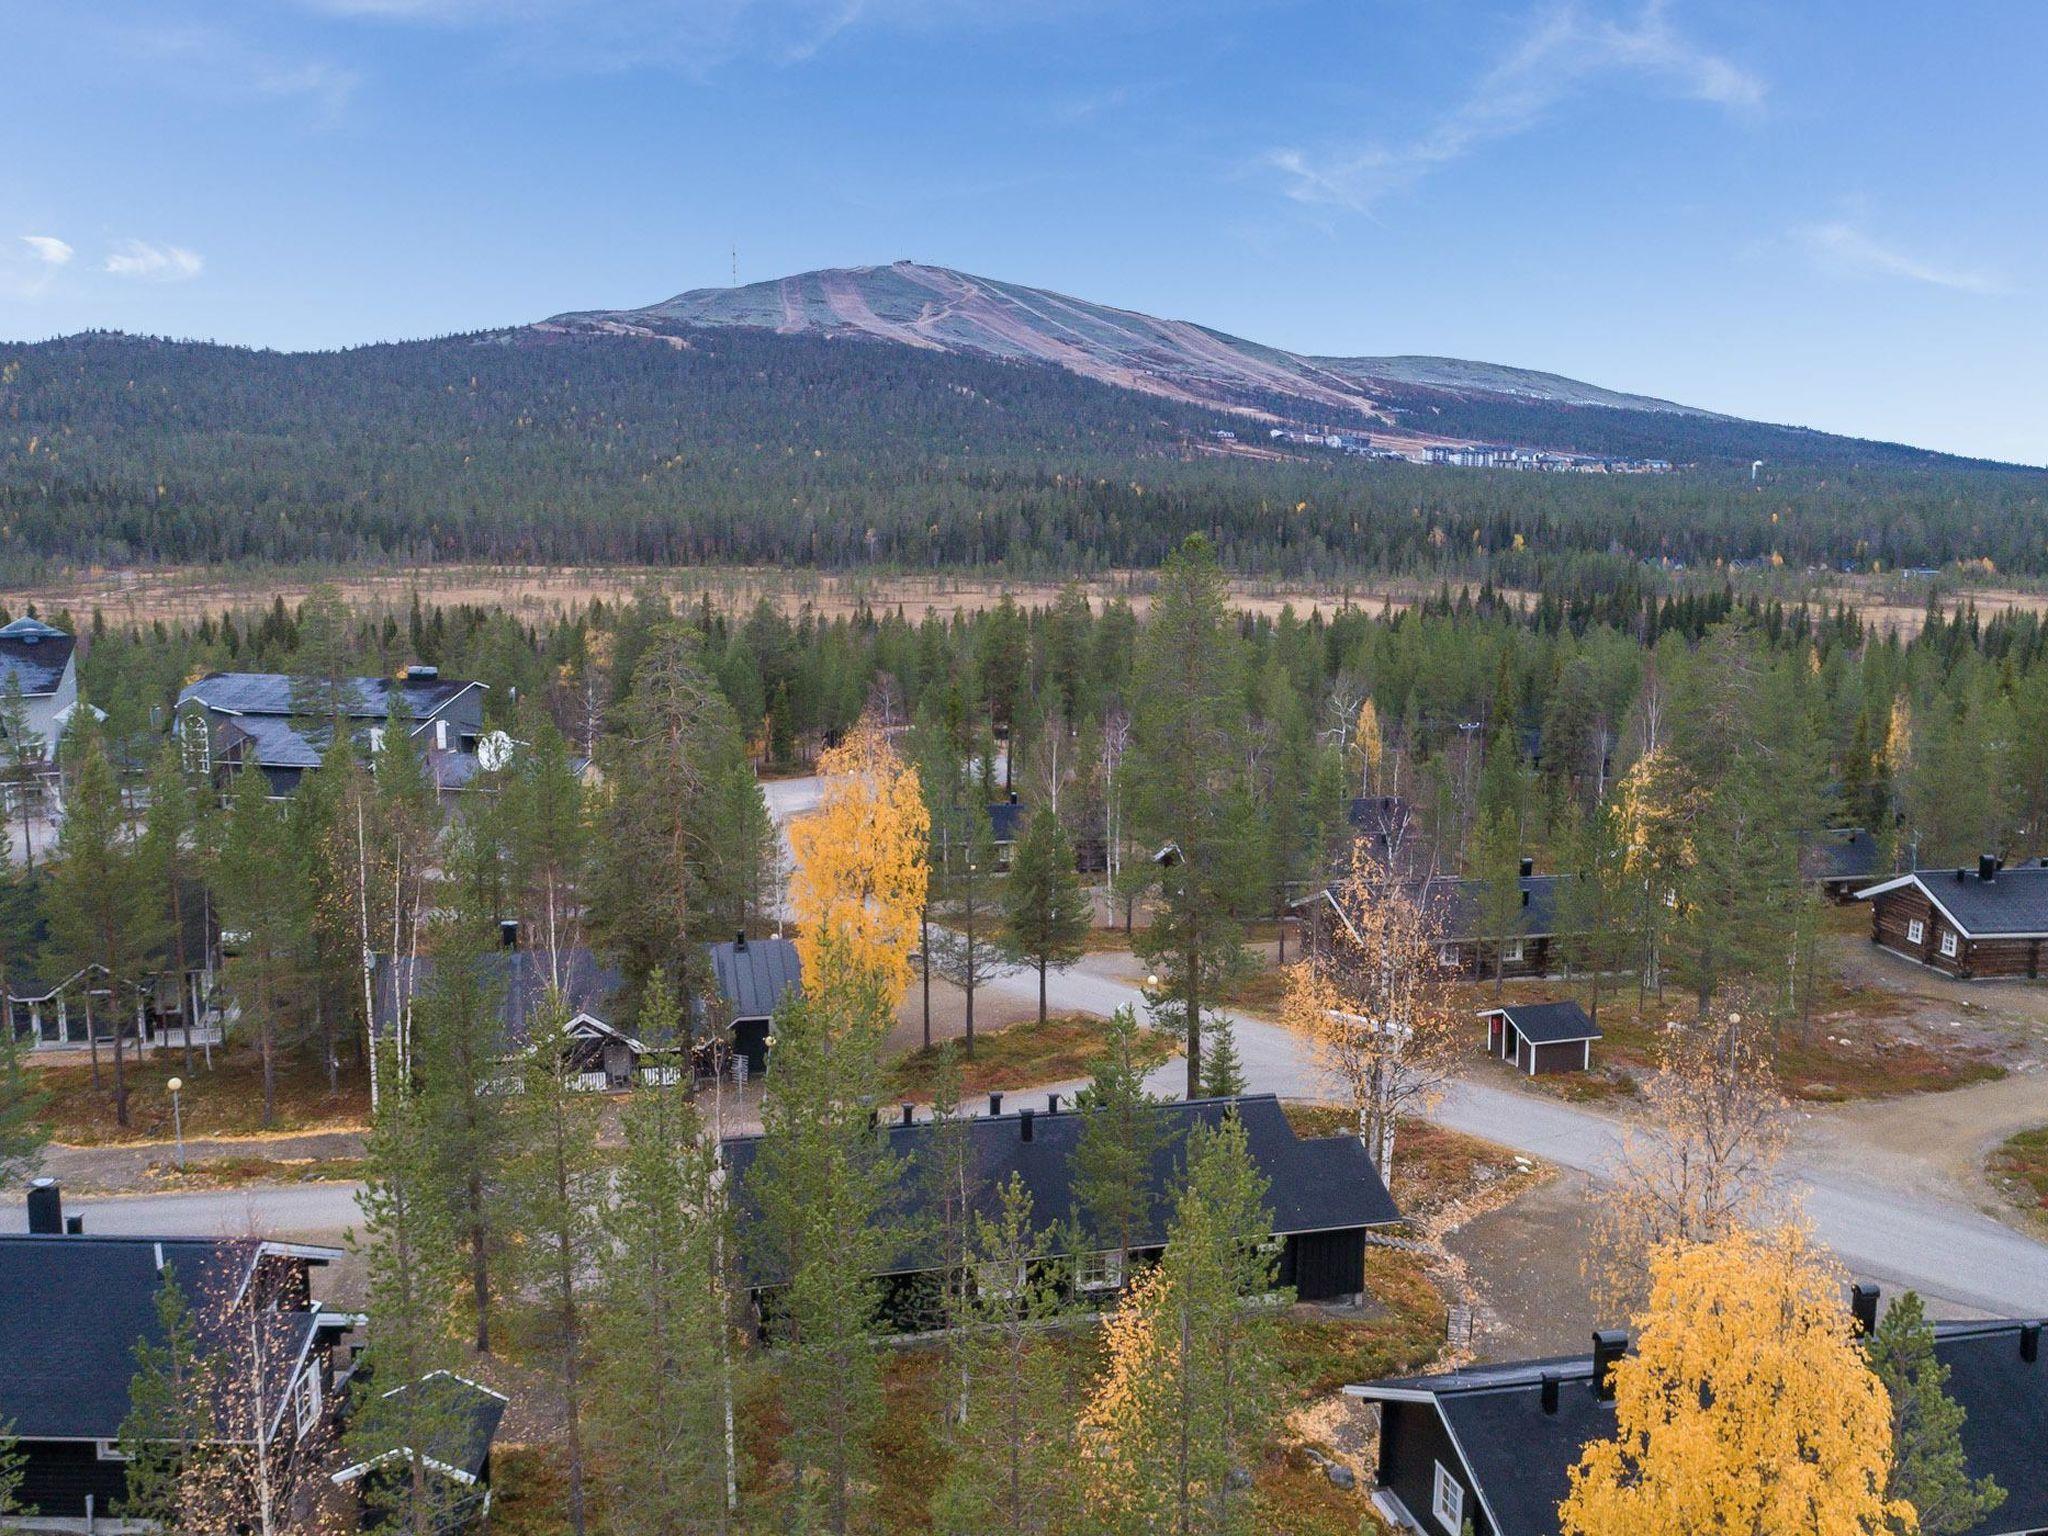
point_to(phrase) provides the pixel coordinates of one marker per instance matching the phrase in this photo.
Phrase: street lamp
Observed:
(1152, 981)
(176, 1084)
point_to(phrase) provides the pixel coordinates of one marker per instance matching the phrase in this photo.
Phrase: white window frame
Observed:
(999, 1281)
(1447, 954)
(1916, 931)
(306, 1402)
(195, 743)
(1447, 1501)
(1511, 952)
(110, 1450)
(1951, 946)
(1099, 1271)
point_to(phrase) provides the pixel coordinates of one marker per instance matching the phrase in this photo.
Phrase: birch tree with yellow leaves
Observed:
(1748, 1406)
(1377, 1005)
(860, 866)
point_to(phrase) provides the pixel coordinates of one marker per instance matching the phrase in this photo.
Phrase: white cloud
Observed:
(213, 64)
(153, 263)
(1564, 50)
(1840, 246)
(49, 250)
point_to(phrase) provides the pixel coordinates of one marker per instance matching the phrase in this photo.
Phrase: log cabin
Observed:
(1973, 924)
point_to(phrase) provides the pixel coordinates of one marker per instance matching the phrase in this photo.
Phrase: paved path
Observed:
(1899, 1237)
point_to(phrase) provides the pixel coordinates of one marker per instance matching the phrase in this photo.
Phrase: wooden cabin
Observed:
(1973, 924)
(1541, 1038)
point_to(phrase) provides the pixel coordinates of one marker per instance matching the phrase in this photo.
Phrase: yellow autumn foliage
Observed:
(1748, 1406)
(860, 866)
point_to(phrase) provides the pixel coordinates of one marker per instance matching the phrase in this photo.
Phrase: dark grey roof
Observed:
(1549, 1023)
(754, 980)
(1004, 819)
(276, 742)
(1521, 1457)
(462, 1418)
(519, 979)
(2013, 904)
(1457, 906)
(72, 1309)
(35, 655)
(1839, 853)
(1315, 1186)
(270, 693)
(1378, 815)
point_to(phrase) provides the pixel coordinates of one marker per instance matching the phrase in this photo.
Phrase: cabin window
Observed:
(1915, 931)
(306, 1402)
(1511, 952)
(1948, 943)
(999, 1281)
(1099, 1271)
(195, 744)
(1447, 954)
(376, 739)
(110, 1450)
(1447, 1501)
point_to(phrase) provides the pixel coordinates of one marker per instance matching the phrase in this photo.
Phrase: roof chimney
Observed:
(995, 1103)
(739, 942)
(1528, 866)
(45, 1208)
(420, 674)
(1987, 866)
(1024, 1118)
(2030, 1342)
(1013, 797)
(1863, 1309)
(909, 1113)
(1052, 1103)
(508, 933)
(1609, 1345)
(1550, 1391)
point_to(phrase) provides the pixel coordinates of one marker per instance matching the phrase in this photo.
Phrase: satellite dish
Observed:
(494, 750)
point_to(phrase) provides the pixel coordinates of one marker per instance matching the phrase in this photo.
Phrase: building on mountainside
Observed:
(73, 1306)
(1494, 1445)
(754, 978)
(1457, 909)
(602, 1056)
(1541, 1038)
(463, 1419)
(1990, 921)
(1841, 861)
(232, 720)
(42, 661)
(1324, 1194)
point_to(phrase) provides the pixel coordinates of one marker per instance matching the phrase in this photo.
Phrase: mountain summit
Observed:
(943, 310)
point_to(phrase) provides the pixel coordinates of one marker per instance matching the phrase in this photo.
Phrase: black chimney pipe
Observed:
(995, 1103)
(45, 1208)
(739, 941)
(1024, 1117)
(1052, 1103)
(909, 1113)
(1609, 1345)
(1550, 1380)
(1863, 1309)
(1528, 866)
(508, 933)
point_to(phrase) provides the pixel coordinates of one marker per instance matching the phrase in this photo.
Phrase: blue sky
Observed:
(1830, 214)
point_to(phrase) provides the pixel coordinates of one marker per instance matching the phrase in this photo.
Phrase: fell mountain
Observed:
(940, 309)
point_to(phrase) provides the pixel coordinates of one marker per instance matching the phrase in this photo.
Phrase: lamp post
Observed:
(176, 1085)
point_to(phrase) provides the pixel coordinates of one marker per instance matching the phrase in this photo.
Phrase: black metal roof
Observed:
(1456, 905)
(35, 655)
(1378, 815)
(462, 1418)
(1548, 1023)
(270, 693)
(1326, 1184)
(72, 1309)
(2012, 904)
(1521, 1457)
(1839, 853)
(519, 978)
(754, 975)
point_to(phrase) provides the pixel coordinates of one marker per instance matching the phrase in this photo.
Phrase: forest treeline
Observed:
(747, 447)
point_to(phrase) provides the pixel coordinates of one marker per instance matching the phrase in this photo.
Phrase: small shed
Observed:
(1541, 1037)
(753, 977)
(457, 1422)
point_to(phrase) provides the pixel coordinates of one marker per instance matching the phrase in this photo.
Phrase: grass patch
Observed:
(1261, 990)
(234, 1172)
(1064, 1047)
(226, 1101)
(2018, 1169)
(1320, 1354)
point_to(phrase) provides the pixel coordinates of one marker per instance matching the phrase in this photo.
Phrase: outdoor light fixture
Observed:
(176, 1085)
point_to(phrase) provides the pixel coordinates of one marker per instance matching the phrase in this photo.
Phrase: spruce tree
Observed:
(1046, 910)
(167, 1417)
(1222, 1070)
(1929, 1470)
(1122, 1134)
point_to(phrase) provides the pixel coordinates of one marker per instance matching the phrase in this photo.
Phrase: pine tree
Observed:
(662, 1338)
(1047, 912)
(824, 1185)
(167, 1417)
(560, 1180)
(546, 841)
(1122, 1134)
(1929, 1470)
(169, 853)
(259, 898)
(23, 1130)
(1222, 1071)
(1497, 867)
(966, 944)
